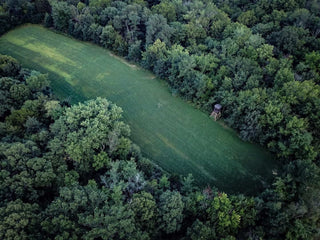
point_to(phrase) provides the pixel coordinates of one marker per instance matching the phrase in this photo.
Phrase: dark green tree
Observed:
(19, 220)
(170, 212)
(157, 28)
(85, 130)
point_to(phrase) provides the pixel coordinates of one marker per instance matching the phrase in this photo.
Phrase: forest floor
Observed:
(171, 132)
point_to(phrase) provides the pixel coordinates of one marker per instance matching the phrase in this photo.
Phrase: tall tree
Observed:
(170, 211)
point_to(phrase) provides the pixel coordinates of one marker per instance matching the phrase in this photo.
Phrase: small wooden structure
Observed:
(216, 113)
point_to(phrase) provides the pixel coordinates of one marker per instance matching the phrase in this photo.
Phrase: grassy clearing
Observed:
(176, 136)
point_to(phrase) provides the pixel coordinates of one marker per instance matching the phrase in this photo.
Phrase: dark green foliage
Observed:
(134, 51)
(85, 142)
(9, 67)
(313, 61)
(170, 212)
(62, 215)
(61, 14)
(290, 40)
(199, 231)
(157, 28)
(111, 39)
(144, 207)
(166, 9)
(6, 101)
(20, 93)
(37, 82)
(16, 12)
(223, 216)
(24, 174)
(19, 220)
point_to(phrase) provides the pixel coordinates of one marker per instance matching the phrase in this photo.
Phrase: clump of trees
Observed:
(16, 12)
(260, 60)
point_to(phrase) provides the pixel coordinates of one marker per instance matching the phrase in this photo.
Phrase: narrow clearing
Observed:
(178, 137)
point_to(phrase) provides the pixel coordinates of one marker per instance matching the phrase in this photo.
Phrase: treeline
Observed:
(259, 59)
(16, 12)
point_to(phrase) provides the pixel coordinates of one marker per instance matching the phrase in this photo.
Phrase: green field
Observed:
(171, 132)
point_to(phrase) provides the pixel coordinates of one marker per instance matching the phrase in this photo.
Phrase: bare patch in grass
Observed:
(124, 61)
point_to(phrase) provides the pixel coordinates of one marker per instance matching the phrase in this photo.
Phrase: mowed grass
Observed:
(171, 132)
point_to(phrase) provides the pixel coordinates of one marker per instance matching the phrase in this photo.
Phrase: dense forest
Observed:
(71, 172)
